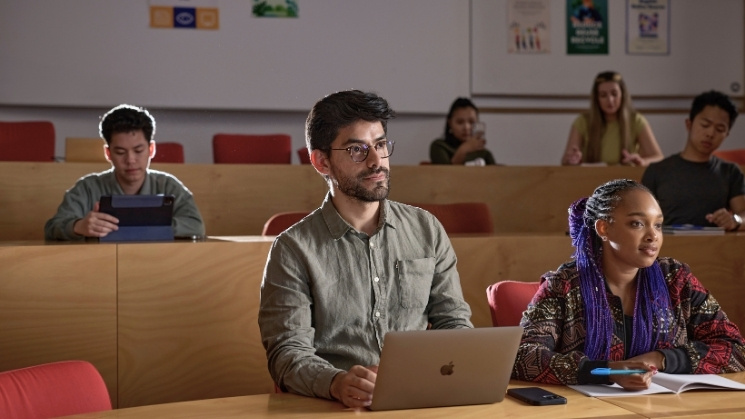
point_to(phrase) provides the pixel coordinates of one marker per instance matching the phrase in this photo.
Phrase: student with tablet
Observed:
(357, 267)
(128, 132)
(619, 305)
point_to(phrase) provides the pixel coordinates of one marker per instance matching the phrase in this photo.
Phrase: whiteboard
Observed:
(706, 52)
(100, 53)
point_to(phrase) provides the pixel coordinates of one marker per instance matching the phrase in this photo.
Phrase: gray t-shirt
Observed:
(687, 190)
(330, 293)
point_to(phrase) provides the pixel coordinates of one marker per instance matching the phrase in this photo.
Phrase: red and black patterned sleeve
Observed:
(553, 338)
(712, 343)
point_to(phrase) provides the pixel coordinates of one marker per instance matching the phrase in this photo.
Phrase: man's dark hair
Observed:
(126, 118)
(342, 109)
(713, 98)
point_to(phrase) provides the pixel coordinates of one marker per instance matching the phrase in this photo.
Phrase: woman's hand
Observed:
(572, 157)
(473, 144)
(633, 382)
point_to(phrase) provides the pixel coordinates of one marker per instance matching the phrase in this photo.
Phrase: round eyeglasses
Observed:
(359, 152)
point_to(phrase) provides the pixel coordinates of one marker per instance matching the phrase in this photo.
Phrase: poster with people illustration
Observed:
(528, 26)
(587, 27)
(648, 27)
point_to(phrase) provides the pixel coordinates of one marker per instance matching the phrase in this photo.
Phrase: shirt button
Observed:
(372, 245)
(376, 279)
(377, 314)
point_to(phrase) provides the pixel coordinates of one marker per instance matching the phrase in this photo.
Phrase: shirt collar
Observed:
(338, 226)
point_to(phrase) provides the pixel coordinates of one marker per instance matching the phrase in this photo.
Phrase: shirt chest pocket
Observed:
(414, 278)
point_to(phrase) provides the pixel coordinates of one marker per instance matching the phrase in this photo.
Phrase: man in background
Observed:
(694, 186)
(128, 132)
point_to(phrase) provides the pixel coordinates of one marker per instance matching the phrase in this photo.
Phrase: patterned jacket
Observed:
(551, 351)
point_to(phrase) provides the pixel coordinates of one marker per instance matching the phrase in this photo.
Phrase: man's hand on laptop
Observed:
(355, 387)
(95, 224)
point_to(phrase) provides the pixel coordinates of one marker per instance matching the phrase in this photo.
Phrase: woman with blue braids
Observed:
(618, 305)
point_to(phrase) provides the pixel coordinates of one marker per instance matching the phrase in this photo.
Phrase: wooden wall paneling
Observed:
(59, 303)
(188, 325)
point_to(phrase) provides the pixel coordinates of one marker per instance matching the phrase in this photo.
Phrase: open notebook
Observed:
(664, 383)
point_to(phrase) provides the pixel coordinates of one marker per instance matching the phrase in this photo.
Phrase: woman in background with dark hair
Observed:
(461, 144)
(611, 132)
(618, 305)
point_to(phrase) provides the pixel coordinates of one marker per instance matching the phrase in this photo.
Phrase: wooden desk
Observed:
(237, 199)
(293, 406)
(694, 403)
(166, 322)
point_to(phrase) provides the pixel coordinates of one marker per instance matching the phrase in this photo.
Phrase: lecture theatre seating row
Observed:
(239, 199)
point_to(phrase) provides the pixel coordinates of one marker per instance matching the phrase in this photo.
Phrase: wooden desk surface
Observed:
(694, 403)
(293, 406)
(237, 199)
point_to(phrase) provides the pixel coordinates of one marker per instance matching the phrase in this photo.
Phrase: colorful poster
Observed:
(184, 14)
(587, 26)
(275, 8)
(528, 23)
(648, 27)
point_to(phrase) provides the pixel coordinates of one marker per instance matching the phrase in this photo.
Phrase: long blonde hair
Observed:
(596, 123)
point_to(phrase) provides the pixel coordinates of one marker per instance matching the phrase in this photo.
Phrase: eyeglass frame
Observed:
(367, 149)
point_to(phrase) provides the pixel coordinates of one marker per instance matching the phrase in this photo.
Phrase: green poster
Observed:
(587, 26)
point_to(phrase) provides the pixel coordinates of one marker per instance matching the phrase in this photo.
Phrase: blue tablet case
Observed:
(141, 217)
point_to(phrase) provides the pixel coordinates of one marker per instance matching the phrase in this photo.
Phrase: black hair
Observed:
(342, 109)
(126, 118)
(459, 103)
(713, 98)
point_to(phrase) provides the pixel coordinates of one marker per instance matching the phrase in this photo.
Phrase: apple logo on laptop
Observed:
(447, 369)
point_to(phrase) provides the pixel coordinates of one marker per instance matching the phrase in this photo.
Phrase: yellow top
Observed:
(611, 142)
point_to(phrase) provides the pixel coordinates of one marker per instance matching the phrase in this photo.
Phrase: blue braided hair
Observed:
(652, 308)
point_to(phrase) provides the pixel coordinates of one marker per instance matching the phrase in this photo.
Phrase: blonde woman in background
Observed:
(612, 132)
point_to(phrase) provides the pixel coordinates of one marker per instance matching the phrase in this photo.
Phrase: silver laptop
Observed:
(430, 368)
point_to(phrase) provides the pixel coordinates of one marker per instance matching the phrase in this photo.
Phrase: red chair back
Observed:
(280, 222)
(168, 153)
(256, 149)
(302, 153)
(735, 155)
(462, 217)
(52, 390)
(508, 300)
(27, 141)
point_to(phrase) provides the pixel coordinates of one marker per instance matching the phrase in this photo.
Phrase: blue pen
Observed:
(608, 371)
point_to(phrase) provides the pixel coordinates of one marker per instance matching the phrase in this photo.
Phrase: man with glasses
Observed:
(357, 267)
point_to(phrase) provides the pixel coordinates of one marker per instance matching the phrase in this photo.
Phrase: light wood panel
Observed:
(188, 324)
(59, 303)
(85, 150)
(238, 199)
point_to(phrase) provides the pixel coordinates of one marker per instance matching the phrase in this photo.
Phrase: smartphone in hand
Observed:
(536, 396)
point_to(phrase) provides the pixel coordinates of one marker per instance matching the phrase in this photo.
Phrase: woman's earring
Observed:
(604, 238)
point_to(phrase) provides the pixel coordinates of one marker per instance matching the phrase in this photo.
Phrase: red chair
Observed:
(257, 149)
(462, 217)
(736, 155)
(304, 156)
(27, 141)
(52, 390)
(280, 222)
(168, 153)
(508, 300)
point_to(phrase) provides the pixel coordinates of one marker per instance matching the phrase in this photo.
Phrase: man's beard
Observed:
(353, 187)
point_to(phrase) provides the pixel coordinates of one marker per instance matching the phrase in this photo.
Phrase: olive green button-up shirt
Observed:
(330, 293)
